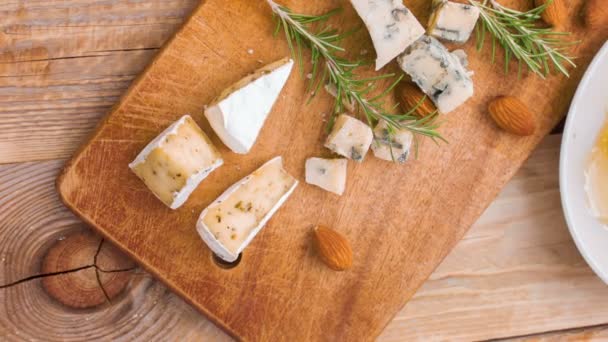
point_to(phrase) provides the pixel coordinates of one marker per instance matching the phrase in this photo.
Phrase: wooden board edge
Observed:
(98, 128)
(461, 235)
(67, 168)
(150, 269)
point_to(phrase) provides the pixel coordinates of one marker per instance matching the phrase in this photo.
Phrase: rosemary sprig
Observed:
(328, 66)
(522, 38)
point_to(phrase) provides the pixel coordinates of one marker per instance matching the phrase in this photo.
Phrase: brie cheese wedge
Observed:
(175, 162)
(230, 223)
(238, 114)
(391, 25)
(328, 174)
(350, 138)
(395, 148)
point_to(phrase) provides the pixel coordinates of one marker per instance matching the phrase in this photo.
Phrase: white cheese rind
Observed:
(439, 73)
(391, 25)
(244, 219)
(187, 160)
(328, 174)
(239, 114)
(453, 22)
(396, 148)
(350, 138)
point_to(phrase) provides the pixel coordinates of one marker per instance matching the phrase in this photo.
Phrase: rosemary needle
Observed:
(329, 67)
(522, 38)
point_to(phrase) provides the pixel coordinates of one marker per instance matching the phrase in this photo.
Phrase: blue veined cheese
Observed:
(452, 21)
(230, 223)
(393, 147)
(175, 162)
(391, 25)
(439, 73)
(350, 138)
(328, 174)
(239, 113)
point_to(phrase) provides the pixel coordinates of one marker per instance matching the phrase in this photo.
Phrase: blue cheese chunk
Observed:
(391, 25)
(392, 146)
(230, 223)
(452, 21)
(238, 114)
(439, 73)
(328, 174)
(175, 162)
(350, 138)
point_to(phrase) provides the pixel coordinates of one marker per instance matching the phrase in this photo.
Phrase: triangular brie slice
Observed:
(230, 223)
(238, 115)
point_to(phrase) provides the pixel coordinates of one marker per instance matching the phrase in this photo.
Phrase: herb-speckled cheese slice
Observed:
(394, 148)
(328, 174)
(391, 26)
(439, 73)
(350, 138)
(176, 161)
(452, 21)
(230, 223)
(239, 113)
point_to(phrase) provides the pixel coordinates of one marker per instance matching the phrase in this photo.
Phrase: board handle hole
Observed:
(225, 264)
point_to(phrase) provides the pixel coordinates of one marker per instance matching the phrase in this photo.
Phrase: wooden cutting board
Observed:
(401, 220)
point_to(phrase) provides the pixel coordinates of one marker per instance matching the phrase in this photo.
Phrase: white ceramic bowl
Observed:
(585, 120)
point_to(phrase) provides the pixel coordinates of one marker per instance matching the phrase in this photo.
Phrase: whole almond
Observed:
(333, 248)
(410, 96)
(555, 12)
(595, 14)
(512, 115)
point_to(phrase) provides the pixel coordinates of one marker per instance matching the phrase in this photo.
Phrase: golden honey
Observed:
(596, 175)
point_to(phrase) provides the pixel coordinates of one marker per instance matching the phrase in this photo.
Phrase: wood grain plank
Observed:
(63, 64)
(399, 242)
(32, 219)
(516, 272)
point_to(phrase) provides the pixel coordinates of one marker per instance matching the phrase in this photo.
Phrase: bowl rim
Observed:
(581, 90)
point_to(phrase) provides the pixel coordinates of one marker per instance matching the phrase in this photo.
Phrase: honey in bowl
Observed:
(596, 177)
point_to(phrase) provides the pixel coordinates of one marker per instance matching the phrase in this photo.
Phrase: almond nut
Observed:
(554, 13)
(512, 115)
(410, 96)
(596, 14)
(333, 248)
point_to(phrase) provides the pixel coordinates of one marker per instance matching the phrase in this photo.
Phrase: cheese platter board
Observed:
(401, 220)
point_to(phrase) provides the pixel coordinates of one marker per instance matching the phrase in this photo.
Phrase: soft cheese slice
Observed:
(230, 223)
(391, 26)
(350, 138)
(175, 162)
(328, 174)
(394, 148)
(439, 73)
(453, 21)
(239, 113)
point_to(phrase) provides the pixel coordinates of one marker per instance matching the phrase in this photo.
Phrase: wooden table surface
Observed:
(64, 63)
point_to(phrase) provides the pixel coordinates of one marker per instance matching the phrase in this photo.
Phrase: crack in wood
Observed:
(105, 294)
(98, 270)
(43, 275)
